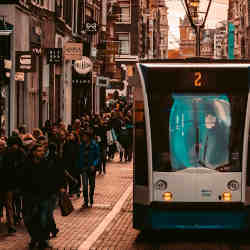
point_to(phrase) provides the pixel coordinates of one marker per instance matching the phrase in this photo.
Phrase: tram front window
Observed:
(197, 130)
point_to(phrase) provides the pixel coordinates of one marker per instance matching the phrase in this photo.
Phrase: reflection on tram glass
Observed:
(197, 130)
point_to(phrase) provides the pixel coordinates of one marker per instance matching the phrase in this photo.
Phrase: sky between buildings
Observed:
(217, 12)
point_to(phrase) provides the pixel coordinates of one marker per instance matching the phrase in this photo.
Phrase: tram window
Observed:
(140, 141)
(197, 130)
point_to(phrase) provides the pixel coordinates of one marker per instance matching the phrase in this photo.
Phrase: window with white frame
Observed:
(124, 42)
(125, 13)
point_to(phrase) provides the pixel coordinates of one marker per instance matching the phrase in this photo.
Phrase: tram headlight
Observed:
(227, 196)
(233, 185)
(161, 185)
(167, 196)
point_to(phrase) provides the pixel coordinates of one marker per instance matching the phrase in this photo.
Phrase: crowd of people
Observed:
(35, 168)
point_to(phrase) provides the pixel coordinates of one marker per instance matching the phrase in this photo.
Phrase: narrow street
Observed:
(108, 225)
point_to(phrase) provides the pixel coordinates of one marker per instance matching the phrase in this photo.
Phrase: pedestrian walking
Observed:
(87, 163)
(12, 162)
(38, 183)
(69, 160)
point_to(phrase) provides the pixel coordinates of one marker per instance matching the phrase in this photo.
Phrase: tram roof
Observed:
(196, 61)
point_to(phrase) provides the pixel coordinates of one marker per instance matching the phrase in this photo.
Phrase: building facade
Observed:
(50, 89)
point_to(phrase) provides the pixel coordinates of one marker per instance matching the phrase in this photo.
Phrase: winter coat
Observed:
(12, 162)
(41, 179)
(93, 156)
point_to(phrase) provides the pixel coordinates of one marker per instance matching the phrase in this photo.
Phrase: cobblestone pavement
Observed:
(78, 226)
(120, 235)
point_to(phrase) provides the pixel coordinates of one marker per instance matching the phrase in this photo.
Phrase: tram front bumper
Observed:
(189, 216)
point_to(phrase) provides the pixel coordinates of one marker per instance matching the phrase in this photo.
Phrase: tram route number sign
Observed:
(25, 61)
(200, 79)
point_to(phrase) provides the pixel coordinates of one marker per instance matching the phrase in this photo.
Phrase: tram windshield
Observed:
(194, 130)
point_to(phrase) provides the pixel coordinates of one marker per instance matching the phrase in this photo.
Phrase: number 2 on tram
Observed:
(191, 145)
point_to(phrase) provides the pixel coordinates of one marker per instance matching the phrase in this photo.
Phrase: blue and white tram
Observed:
(191, 145)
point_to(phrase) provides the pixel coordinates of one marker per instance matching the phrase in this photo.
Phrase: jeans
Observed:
(103, 156)
(36, 214)
(88, 185)
(7, 198)
(52, 206)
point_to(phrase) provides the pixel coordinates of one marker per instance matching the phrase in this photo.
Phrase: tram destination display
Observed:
(198, 79)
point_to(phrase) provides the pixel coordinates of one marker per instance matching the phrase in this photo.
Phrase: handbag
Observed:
(65, 204)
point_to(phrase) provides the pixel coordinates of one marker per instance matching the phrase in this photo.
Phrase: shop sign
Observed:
(91, 27)
(83, 66)
(81, 81)
(19, 76)
(93, 52)
(25, 61)
(102, 81)
(7, 64)
(73, 51)
(54, 55)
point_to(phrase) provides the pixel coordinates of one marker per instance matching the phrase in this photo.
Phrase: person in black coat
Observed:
(40, 179)
(69, 160)
(12, 162)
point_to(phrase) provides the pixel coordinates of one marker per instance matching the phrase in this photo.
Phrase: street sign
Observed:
(73, 51)
(25, 61)
(54, 55)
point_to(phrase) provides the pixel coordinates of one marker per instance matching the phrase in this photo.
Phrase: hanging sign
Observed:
(83, 66)
(73, 51)
(19, 76)
(25, 61)
(54, 55)
(91, 27)
(102, 81)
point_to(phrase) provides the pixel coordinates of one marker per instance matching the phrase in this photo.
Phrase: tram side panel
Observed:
(140, 181)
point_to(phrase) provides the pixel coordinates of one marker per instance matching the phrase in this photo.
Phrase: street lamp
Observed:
(197, 11)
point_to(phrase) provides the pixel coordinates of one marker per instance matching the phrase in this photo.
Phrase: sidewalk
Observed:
(76, 228)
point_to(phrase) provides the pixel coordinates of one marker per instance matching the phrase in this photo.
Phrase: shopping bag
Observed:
(65, 204)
